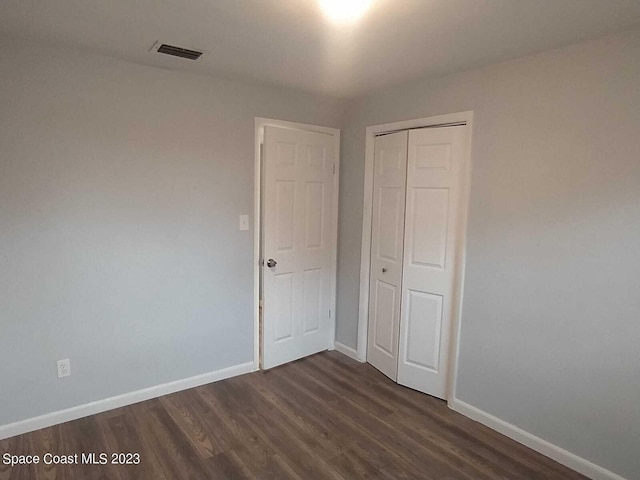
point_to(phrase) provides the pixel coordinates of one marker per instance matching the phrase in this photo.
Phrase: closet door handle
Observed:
(384, 270)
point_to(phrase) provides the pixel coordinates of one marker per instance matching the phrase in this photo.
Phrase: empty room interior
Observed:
(320, 239)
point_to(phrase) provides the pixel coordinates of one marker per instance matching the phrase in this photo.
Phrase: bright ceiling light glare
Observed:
(345, 11)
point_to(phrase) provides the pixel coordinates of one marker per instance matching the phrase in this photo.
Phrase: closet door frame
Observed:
(460, 255)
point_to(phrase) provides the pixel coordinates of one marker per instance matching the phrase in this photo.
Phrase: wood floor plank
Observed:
(123, 435)
(84, 436)
(280, 436)
(240, 432)
(345, 386)
(228, 466)
(322, 417)
(352, 465)
(175, 454)
(428, 463)
(291, 417)
(303, 460)
(439, 441)
(368, 443)
(487, 458)
(215, 429)
(20, 445)
(180, 410)
(426, 408)
(436, 443)
(43, 441)
(266, 467)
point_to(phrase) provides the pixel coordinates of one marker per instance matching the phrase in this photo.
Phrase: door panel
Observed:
(313, 214)
(434, 172)
(312, 300)
(284, 306)
(285, 208)
(384, 336)
(297, 233)
(429, 207)
(424, 318)
(390, 207)
(386, 251)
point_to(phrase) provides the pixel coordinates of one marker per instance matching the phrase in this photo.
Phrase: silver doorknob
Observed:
(384, 270)
(271, 263)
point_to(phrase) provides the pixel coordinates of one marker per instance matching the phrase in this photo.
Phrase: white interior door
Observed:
(387, 230)
(434, 174)
(298, 243)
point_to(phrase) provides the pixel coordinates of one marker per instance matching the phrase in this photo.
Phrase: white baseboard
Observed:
(544, 447)
(348, 351)
(99, 406)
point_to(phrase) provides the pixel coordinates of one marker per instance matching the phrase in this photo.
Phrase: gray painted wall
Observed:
(550, 326)
(120, 191)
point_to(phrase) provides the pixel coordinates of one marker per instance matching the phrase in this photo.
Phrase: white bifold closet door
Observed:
(434, 169)
(387, 227)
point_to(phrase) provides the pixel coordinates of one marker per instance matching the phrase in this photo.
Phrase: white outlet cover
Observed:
(64, 368)
(244, 222)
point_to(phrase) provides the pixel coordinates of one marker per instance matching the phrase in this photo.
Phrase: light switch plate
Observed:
(244, 222)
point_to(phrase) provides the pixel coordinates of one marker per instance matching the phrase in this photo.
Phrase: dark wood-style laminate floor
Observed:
(323, 417)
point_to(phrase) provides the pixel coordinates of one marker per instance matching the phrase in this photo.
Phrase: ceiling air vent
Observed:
(176, 51)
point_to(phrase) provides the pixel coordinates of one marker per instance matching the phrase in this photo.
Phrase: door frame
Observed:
(260, 123)
(461, 251)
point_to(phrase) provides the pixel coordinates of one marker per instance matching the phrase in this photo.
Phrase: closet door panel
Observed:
(434, 169)
(424, 318)
(387, 244)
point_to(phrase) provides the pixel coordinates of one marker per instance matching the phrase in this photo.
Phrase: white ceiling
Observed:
(291, 44)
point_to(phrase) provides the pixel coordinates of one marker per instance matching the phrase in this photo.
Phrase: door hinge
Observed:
(334, 168)
(329, 313)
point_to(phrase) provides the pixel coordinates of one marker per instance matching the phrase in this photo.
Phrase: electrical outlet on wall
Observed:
(64, 368)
